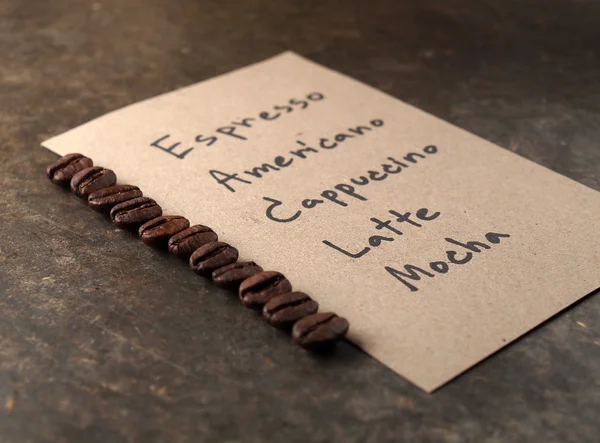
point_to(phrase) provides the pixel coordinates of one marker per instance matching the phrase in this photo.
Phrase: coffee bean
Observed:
(286, 309)
(133, 213)
(158, 231)
(212, 256)
(319, 331)
(103, 200)
(187, 241)
(231, 276)
(260, 288)
(62, 170)
(92, 179)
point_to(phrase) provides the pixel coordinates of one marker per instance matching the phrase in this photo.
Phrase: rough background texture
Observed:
(104, 340)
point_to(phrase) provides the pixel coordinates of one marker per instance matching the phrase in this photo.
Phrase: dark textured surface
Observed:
(104, 340)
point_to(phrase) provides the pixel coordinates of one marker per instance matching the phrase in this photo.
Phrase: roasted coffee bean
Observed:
(104, 199)
(231, 276)
(158, 231)
(92, 179)
(135, 212)
(284, 310)
(260, 288)
(187, 241)
(319, 331)
(62, 170)
(212, 256)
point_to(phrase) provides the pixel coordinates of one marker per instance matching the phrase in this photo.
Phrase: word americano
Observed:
(280, 161)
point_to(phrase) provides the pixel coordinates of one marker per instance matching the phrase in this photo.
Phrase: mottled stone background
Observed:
(105, 340)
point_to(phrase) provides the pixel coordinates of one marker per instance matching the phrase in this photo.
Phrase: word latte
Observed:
(374, 241)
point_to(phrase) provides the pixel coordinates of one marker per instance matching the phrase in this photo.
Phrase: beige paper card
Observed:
(438, 246)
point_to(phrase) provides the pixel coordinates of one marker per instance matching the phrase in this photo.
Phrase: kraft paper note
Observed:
(438, 246)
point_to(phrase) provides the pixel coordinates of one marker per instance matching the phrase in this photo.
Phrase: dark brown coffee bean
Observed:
(260, 288)
(212, 256)
(286, 309)
(187, 241)
(135, 212)
(158, 231)
(231, 276)
(104, 199)
(319, 331)
(92, 179)
(62, 170)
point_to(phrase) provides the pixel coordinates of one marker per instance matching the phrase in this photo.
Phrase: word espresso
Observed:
(412, 272)
(280, 162)
(237, 129)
